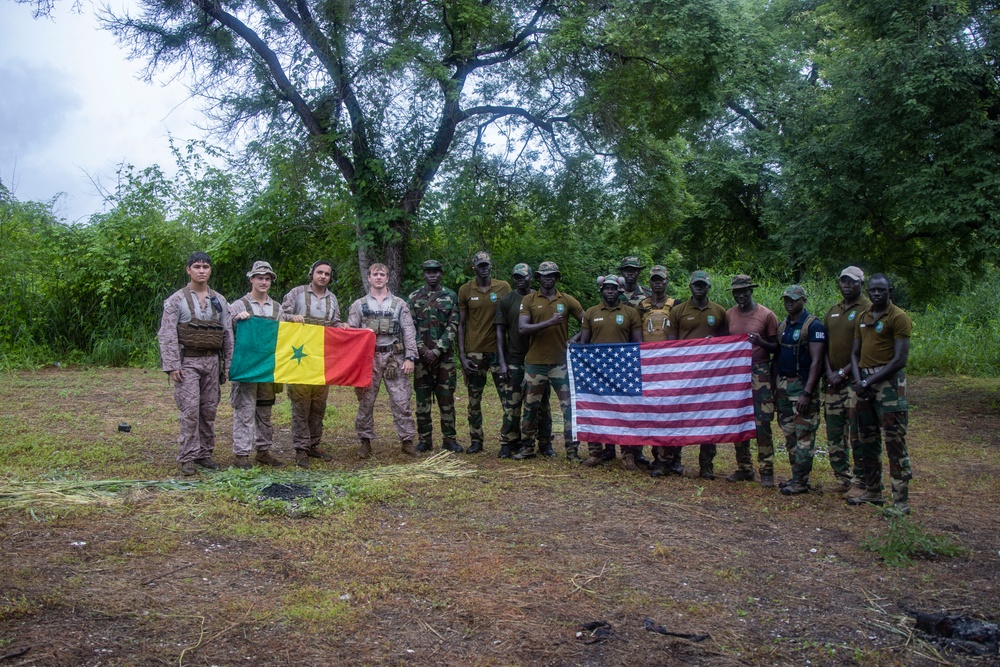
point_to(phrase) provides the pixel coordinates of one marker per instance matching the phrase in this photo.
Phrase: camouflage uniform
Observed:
(308, 402)
(839, 401)
(197, 395)
(480, 340)
(252, 401)
(636, 296)
(885, 409)
(391, 350)
(435, 317)
(794, 360)
(545, 362)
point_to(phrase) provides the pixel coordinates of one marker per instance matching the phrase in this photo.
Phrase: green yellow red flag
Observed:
(293, 353)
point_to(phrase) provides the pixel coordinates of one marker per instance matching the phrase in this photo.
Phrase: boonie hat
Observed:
(481, 257)
(658, 270)
(521, 270)
(609, 279)
(854, 273)
(631, 262)
(794, 292)
(741, 281)
(700, 276)
(431, 264)
(261, 268)
(547, 268)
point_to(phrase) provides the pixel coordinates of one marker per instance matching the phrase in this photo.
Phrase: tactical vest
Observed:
(328, 314)
(201, 334)
(275, 310)
(656, 319)
(797, 345)
(382, 322)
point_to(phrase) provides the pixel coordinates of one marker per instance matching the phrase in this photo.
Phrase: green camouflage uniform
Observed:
(435, 316)
(799, 428)
(839, 401)
(515, 347)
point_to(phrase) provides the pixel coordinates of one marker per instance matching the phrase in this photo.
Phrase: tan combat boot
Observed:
(302, 458)
(365, 448)
(407, 447)
(242, 462)
(266, 458)
(628, 461)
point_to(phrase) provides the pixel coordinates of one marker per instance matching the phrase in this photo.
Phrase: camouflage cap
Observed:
(854, 273)
(547, 268)
(481, 257)
(794, 292)
(610, 279)
(631, 262)
(431, 264)
(261, 268)
(700, 277)
(742, 281)
(659, 270)
(521, 270)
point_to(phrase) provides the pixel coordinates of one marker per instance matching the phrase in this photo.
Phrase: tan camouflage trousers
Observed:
(763, 414)
(798, 428)
(197, 397)
(252, 403)
(308, 410)
(399, 389)
(513, 397)
(476, 384)
(839, 405)
(537, 380)
(885, 415)
(432, 382)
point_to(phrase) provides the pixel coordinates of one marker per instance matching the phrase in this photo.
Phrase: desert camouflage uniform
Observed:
(252, 401)
(435, 316)
(391, 351)
(197, 395)
(308, 402)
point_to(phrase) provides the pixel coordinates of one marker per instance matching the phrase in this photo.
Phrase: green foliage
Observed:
(904, 541)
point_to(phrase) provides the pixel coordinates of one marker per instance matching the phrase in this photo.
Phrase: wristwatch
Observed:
(840, 372)
(411, 358)
(864, 384)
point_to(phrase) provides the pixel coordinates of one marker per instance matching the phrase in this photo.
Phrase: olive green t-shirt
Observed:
(548, 346)
(840, 322)
(480, 310)
(878, 336)
(611, 325)
(687, 321)
(508, 313)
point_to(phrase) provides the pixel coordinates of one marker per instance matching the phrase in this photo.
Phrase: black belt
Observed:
(198, 353)
(384, 348)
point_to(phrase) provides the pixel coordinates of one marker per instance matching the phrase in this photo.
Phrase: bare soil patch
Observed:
(500, 568)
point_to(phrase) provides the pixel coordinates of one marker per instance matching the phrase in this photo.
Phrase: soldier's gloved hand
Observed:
(407, 367)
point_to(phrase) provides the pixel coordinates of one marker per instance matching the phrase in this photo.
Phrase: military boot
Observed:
(188, 469)
(640, 459)
(609, 453)
(527, 451)
(364, 448)
(572, 453)
(628, 461)
(474, 448)
(302, 458)
(596, 455)
(406, 446)
(767, 479)
(795, 487)
(315, 452)
(741, 476)
(424, 446)
(869, 497)
(266, 458)
(675, 467)
(545, 449)
(207, 462)
(452, 446)
(506, 451)
(242, 461)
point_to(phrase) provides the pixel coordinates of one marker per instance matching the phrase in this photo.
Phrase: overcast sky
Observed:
(72, 105)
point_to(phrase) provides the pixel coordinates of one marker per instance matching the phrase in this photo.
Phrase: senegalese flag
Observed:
(293, 353)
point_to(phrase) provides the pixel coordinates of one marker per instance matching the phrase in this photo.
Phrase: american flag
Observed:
(681, 392)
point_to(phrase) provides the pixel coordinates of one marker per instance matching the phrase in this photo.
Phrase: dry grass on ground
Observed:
(498, 568)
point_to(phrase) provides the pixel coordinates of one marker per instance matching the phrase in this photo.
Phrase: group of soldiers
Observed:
(855, 356)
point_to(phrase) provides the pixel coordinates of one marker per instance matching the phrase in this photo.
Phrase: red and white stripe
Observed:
(694, 392)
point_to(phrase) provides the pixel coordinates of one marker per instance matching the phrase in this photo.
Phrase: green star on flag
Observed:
(297, 353)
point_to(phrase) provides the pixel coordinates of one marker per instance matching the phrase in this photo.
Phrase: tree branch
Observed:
(745, 113)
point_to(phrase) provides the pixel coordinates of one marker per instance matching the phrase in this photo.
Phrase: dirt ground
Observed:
(498, 568)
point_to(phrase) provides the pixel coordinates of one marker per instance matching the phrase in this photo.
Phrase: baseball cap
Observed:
(521, 270)
(794, 292)
(700, 276)
(742, 281)
(854, 273)
(481, 257)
